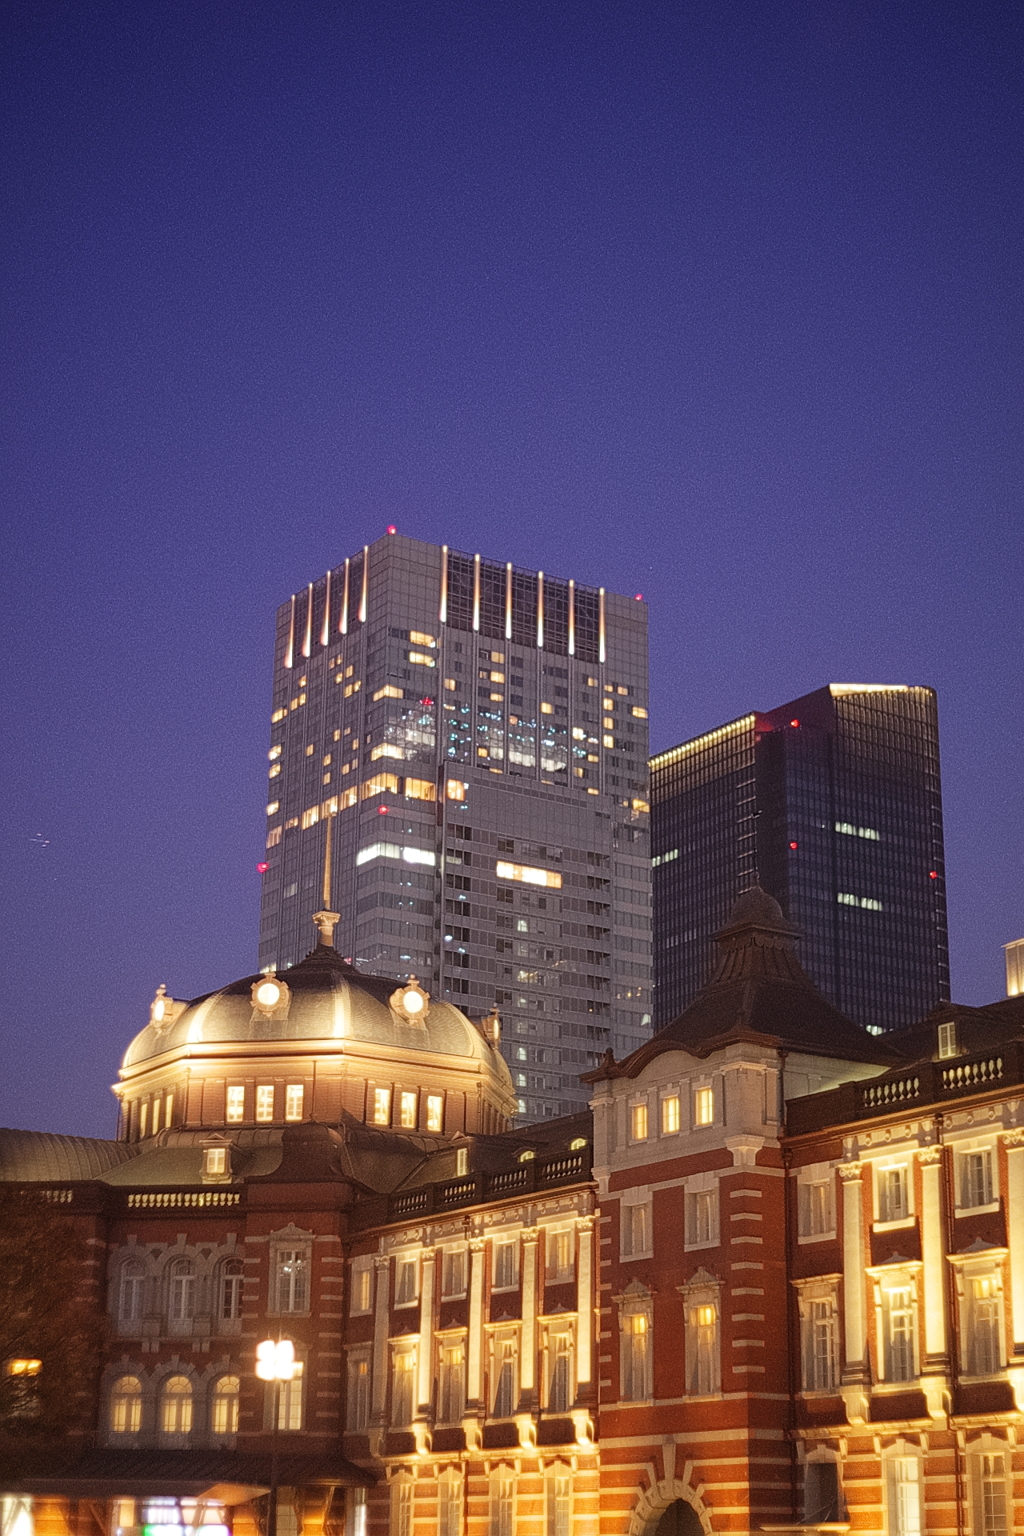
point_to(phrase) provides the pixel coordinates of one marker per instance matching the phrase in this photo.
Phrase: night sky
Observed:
(716, 302)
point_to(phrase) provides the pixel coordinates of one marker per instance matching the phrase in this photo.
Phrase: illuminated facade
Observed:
(833, 803)
(475, 737)
(773, 1280)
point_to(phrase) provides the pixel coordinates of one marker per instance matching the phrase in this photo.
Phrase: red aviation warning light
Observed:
(392, 528)
(262, 868)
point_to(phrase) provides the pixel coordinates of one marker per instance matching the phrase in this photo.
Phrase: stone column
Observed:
(528, 1362)
(378, 1402)
(425, 1357)
(585, 1302)
(935, 1358)
(1014, 1207)
(475, 1342)
(855, 1372)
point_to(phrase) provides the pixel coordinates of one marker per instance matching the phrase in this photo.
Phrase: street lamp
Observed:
(275, 1361)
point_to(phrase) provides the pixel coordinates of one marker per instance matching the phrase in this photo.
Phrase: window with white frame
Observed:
(635, 1346)
(701, 1217)
(126, 1405)
(816, 1207)
(636, 1229)
(406, 1282)
(819, 1328)
(231, 1278)
(671, 1117)
(638, 1121)
(408, 1109)
(234, 1109)
(435, 1112)
(501, 1502)
(558, 1256)
(504, 1374)
(265, 1102)
(358, 1391)
(401, 1506)
(947, 1041)
(381, 1113)
(131, 1293)
(703, 1352)
(558, 1369)
(982, 1323)
(894, 1193)
(903, 1494)
(181, 1295)
(291, 1399)
(403, 1377)
(558, 1500)
(453, 1272)
(898, 1330)
(975, 1184)
(361, 1296)
(294, 1094)
(991, 1494)
(292, 1279)
(451, 1381)
(176, 1406)
(704, 1105)
(506, 1266)
(449, 1504)
(224, 1405)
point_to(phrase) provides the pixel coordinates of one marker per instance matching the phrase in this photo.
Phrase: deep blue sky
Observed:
(718, 302)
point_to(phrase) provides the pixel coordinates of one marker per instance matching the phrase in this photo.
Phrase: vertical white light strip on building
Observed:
(343, 618)
(325, 628)
(307, 638)
(508, 601)
(540, 610)
(289, 654)
(443, 611)
(600, 625)
(572, 617)
(476, 593)
(366, 576)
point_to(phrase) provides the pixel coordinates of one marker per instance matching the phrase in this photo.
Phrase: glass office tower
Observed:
(475, 736)
(833, 804)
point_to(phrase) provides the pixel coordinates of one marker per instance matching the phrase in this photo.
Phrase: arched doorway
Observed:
(679, 1519)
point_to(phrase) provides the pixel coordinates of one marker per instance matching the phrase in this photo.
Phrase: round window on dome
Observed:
(269, 995)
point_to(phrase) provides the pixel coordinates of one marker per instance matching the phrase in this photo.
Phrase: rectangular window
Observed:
(505, 1374)
(984, 1325)
(816, 1209)
(506, 1266)
(169, 1110)
(528, 874)
(559, 1503)
(293, 1280)
(635, 1367)
(893, 1194)
(358, 1393)
(701, 1217)
(449, 1510)
(820, 1346)
(231, 1291)
(435, 1113)
(636, 1230)
(382, 1106)
(559, 1373)
(703, 1106)
(702, 1372)
(401, 1507)
(362, 1290)
(670, 1118)
(289, 1403)
(976, 1184)
(407, 1111)
(451, 1384)
(234, 1110)
(453, 1273)
(293, 1096)
(947, 1041)
(638, 1122)
(406, 1276)
(501, 1503)
(265, 1102)
(558, 1257)
(992, 1502)
(904, 1495)
(898, 1322)
(404, 1376)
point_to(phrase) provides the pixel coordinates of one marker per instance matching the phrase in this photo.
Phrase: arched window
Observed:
(126, 1406)
(176, 1406)
(231, 1290)
(182, 1295)
(131, 1298)
(224, 1417)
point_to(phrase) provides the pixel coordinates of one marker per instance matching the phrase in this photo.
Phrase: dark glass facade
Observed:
(834, 803)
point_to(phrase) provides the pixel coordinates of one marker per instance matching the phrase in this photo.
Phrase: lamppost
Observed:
(275, 1361)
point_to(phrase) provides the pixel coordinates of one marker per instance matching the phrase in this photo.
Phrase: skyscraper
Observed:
(833, 804)
(472, 740)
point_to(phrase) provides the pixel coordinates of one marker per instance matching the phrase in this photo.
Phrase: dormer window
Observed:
(947, 1041)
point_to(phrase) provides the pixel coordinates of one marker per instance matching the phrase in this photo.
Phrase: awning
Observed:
(228, 1477)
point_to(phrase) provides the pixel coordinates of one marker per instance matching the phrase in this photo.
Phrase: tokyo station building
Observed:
(771, 1280)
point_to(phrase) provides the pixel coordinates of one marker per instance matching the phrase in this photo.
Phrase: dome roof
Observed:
(755, 908)
(327, 1000)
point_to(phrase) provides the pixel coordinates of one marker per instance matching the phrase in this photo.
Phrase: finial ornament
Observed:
(326, 923)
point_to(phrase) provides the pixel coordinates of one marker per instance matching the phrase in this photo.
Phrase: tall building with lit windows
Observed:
(473, 739)
(833, 802)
